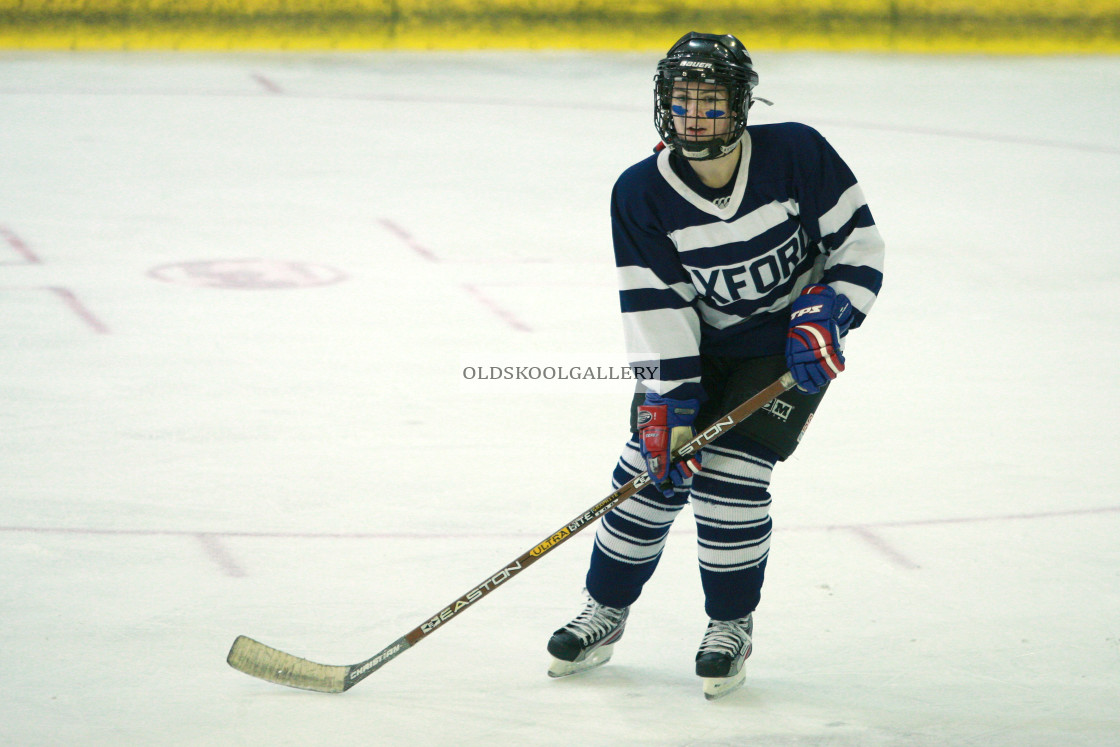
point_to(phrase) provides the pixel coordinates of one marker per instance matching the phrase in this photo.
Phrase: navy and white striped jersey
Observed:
(716, 277)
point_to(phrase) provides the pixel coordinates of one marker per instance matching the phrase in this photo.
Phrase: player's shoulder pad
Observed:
(794, 134)
(639, 177)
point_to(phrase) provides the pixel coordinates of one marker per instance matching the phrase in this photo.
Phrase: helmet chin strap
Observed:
(710, 150)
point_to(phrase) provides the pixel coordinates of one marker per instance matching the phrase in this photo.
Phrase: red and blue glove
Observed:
(664, 425)
(818, 319)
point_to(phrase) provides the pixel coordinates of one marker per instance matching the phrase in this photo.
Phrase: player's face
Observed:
(700, 110)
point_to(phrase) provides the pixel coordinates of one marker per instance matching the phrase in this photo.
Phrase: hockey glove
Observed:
(664, 425)
(818, 319)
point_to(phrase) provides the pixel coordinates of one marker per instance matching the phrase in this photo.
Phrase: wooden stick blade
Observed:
(266, 663)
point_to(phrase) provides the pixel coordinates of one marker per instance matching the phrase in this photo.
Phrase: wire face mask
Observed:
(700, 115)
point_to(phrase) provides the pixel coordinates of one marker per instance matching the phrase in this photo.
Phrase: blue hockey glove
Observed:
(818, 319)
(664, 425)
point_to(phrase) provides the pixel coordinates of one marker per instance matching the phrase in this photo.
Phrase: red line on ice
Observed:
(883, 546)
(79, 308)
(503, 314)
(491, 535)
(220, 555)
(267, 84)
(408, 239)
(20, 246)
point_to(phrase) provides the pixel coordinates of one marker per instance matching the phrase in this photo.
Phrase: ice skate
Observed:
(587, 641)
(724, 650)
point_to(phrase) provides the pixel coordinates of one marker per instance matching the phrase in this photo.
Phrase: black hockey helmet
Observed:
(705, 58)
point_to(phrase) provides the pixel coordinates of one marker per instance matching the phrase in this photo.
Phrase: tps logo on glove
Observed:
(818, 319)
(807, 310)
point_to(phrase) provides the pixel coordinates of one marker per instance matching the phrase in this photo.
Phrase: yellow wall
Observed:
(1015, 26)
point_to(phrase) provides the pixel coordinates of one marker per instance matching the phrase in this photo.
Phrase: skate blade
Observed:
(717, 687)
(597, 658)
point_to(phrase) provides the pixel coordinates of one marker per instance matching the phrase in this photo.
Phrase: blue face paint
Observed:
(680, 111)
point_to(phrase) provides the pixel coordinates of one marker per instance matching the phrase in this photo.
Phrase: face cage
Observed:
(739, 101)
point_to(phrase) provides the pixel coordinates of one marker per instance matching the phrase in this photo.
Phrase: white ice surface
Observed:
(182, 464)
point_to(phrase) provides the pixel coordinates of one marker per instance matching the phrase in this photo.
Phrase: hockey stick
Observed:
(256, 659)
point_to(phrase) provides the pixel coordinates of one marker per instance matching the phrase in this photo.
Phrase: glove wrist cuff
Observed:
(676, 412)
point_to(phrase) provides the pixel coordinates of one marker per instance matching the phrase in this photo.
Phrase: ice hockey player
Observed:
(742, 252)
